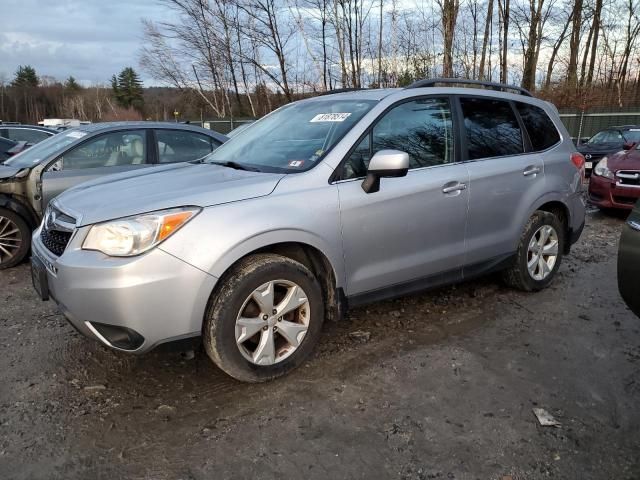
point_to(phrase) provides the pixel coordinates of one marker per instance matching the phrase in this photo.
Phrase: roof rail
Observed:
(340, 90)
(432, 82)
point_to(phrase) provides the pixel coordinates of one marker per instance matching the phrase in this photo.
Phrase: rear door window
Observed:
(542, 132)
(492, 128)
(182, 145)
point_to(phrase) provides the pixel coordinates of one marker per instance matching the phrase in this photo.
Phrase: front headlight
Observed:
(602, 169)
(135, 235)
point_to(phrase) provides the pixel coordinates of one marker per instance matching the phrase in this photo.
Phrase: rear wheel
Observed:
(539, 253)
(265, 319)
(15, 238)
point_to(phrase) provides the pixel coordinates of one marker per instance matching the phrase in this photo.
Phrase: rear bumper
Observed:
(153, 298)
(577, 212)
(604, 193)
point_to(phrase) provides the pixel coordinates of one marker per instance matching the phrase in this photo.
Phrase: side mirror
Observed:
(385, 163)
(628, 145)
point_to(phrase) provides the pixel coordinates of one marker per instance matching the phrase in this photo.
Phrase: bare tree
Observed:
(504, 16)
(485, 39)
(449, 11)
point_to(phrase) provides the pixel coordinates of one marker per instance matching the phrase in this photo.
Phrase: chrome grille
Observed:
(628, 178)
(57, 229)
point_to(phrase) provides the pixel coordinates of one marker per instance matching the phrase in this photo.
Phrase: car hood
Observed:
(7, 172)
(158, 188)
(629, 160)
(599, 148)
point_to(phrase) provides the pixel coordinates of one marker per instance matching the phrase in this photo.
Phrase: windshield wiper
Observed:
(236, 165)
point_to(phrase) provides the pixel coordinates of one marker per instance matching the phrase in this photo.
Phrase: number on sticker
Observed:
(330, 117)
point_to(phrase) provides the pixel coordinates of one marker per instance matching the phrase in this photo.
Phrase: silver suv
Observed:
(324, 204)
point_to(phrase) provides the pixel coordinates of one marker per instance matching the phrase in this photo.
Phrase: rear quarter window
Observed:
(541, 129)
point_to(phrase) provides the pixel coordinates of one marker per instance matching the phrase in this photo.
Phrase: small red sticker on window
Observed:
(296, 163)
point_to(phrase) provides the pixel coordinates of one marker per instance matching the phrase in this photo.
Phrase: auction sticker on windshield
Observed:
(330, 117)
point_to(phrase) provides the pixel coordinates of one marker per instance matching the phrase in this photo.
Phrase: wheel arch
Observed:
(312, 257)
(561, 210)
(10, 203)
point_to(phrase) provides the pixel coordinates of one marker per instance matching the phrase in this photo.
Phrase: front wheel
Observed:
(539, 253)
(15, 238)
(265, 318)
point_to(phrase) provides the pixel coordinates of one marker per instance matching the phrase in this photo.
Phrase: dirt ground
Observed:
(438, 385)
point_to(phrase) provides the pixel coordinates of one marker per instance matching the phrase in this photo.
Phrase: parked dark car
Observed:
(29, 180)
(615, 181)
(9, 148)
(31, 134)
(629, 261)
(606, 142)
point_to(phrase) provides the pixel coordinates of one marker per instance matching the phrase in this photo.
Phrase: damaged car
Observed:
(325, 204)
(29, 180)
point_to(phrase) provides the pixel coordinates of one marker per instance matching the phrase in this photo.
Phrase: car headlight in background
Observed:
(602, 169)
(131, 236)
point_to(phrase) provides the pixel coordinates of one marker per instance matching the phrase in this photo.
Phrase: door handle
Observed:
(457, 187)
(531, 171)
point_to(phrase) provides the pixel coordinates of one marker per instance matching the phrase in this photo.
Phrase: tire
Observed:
(235, 296)
(518, 275)
(13, 231)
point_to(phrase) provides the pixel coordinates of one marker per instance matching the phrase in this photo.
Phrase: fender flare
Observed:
(549, 197)
(274, 237)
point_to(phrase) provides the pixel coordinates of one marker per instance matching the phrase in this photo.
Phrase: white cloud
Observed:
(88, 39)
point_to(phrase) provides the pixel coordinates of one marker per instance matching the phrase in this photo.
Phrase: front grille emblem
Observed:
(51, 219)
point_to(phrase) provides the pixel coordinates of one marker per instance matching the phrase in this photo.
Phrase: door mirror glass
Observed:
(385, 163)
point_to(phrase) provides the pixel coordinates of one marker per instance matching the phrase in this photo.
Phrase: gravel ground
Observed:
(437, 385)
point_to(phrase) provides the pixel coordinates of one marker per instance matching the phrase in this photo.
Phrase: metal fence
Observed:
(584, 124)
(225, 126)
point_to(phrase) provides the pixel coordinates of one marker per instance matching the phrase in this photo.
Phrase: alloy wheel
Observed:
(542, 253)
(272, 322)
(10, 239)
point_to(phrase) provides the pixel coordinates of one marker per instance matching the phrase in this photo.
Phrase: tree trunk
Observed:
(503, 7)
(574, 45)
(449, 9)
(595, 27)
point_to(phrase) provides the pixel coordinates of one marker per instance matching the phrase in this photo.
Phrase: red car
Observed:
(615, 182)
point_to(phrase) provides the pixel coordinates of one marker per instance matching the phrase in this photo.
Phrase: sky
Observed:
(88, 39)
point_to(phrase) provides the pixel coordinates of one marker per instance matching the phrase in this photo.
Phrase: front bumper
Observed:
(154, 295)
(604, 193)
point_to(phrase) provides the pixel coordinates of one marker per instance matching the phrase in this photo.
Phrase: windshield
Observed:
(632, 135)
(294, 138)
(44, 149)
(607, 136)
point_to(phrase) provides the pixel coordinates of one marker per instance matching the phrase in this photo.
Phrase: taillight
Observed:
(578, 160)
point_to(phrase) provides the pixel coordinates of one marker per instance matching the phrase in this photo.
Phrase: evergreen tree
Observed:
(127, 89)
(25, 77)
(72, 85)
